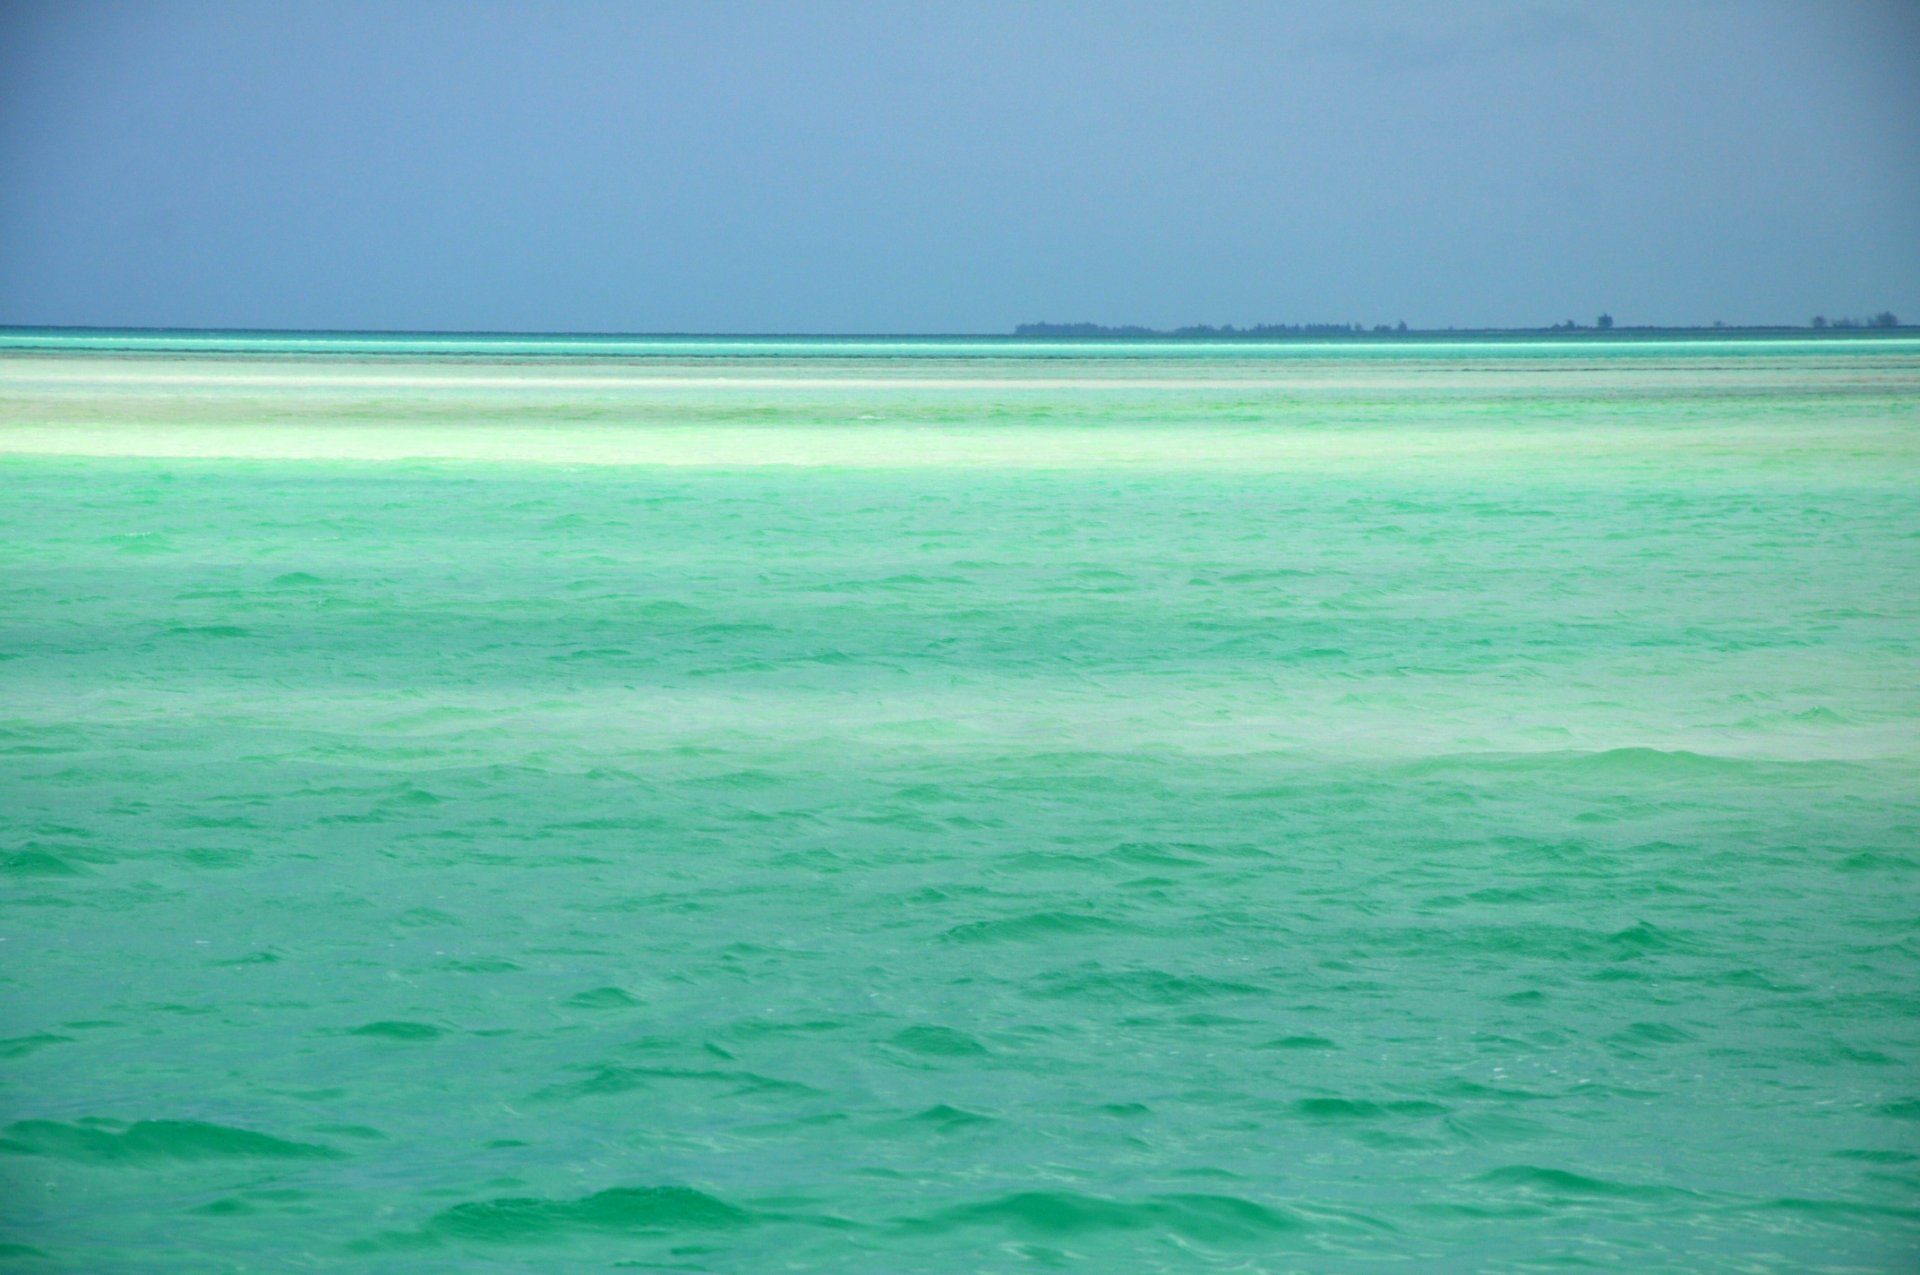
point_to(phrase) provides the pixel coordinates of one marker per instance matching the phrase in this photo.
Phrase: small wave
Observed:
(1267, 576)
(591, 654)
(524, 1219)
(264, 956)
(1156, 853)
(38, 863)
(151, 1140)
(1155, 987)
(1034, 925)
(603, 998)
(607, 1080)
(1649, 1034)
(948, 1119)
(1207, 1219)
(1538, 942)
(21, 1046)
(1874, 861)
(1837, 1209)
(1474, 1091)
(1644, 937)
(208, 630)
(398, 1029)
(1300, 1042)
(217, 857)
(1494, 1127)
(751, 779)
(1877, 1155)
(480, 965)
(1339, 1109)
(409, 795)
(1656, 763)
(939, 1042)
(1819, 715)
(1561, 1182)
(1632, 765)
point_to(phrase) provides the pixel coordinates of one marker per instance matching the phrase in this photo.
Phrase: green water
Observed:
(940, 807)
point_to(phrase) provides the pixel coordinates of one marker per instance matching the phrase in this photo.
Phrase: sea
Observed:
(513, 804)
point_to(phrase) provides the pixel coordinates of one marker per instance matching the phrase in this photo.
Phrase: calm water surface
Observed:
(958, 806)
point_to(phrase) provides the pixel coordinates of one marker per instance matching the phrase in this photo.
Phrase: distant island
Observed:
(1886, 320)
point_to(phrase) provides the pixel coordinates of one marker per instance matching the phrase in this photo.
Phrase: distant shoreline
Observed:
(1036, 332)
(1882, 324)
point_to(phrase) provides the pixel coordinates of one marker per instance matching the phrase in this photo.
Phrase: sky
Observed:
(954, 167)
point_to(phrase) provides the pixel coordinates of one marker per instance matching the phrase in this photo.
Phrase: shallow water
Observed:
(959, 806)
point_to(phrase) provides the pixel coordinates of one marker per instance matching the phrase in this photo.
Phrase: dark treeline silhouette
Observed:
(1886, 319)
(1206, 330)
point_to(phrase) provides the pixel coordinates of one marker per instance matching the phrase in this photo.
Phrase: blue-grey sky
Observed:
(929, 166)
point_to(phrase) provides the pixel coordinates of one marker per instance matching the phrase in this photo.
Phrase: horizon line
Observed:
(1223, 332)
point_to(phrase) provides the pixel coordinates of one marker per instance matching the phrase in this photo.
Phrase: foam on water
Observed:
(917, 807)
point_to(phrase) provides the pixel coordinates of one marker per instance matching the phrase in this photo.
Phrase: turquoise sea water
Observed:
(958, 806)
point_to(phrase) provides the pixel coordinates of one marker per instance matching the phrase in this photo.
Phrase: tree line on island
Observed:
(1208, 329)
(1884, 320)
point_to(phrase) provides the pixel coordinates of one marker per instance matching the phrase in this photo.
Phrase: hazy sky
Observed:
(924, 166)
